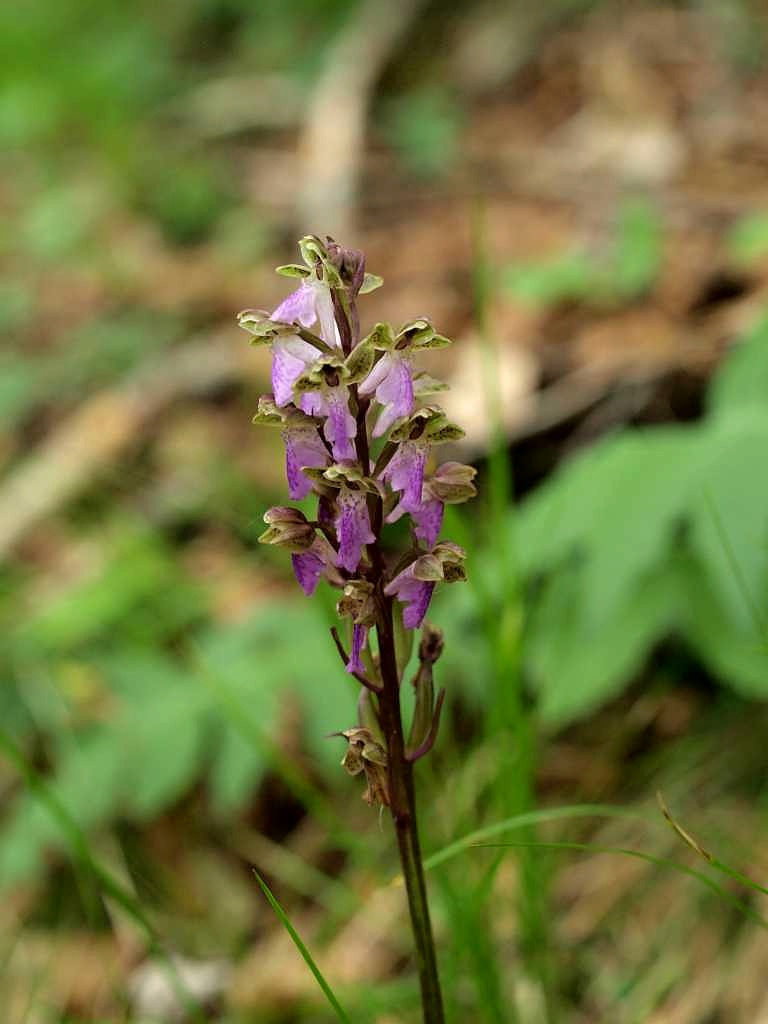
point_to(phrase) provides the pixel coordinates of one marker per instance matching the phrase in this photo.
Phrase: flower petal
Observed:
(298, 307)
(395, 393)
(313, 563)
(414, 612)
(405, 473)
(340, 426)
(359, 638)
(414, 594)
(353, 528)
(329, 332)
(428, 521)
(308, 568)
(377, 375)
(290, 358)
(303, 449)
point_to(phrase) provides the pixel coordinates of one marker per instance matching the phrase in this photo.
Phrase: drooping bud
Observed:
(358, 602)
(451, 483)
(415, 584)
(365, 754)
(350, 263)
(431, 644)
(287, 528)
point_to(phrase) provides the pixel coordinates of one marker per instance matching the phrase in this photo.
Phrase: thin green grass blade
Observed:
(80, 851)
(695, 845)
(305, 954)
(665, 862)
(524, 821)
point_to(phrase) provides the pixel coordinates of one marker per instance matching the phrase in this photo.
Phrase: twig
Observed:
(334, 131)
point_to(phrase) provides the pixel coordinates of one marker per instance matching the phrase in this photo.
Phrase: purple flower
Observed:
(414, 593)
(313, 563)
(290, 358)
(340, 429)
(405, 473)
(304, 449)
(309, 303)
(340, 425)
(353, 527)
(359, 639)
(392, 381)
(428, 521)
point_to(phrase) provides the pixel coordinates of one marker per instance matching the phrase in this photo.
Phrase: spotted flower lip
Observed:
(353, 527)
(405, 473)
(316, 562)
(291, 357)
(304, 449)
(428, 521)
(340, 427)
(415, 584)
(359, 639)
(391, 379)
(414, 593)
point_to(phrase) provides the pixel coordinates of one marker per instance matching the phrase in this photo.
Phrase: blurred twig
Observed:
(103, 426)
(334, 130)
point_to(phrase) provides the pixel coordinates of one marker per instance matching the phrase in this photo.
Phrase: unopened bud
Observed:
(358, 603)
(366, 754)
(452, 483)
(287, 528)
(431, 646)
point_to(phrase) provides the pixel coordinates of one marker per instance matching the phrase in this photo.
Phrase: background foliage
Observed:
(167, 697)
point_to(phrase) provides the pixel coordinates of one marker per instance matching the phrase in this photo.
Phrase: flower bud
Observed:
(358, 603)
(287, 528)
(452, 483)
(366, 754)
(431, 645)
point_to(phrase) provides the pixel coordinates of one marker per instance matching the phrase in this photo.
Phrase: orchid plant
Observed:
(359, 435)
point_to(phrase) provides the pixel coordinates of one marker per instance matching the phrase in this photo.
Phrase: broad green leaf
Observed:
(160, 747)
(730, 514)
(616, 507)
(575, 666)
(731, 649)
(235, 770)
(742, 380)
(132, 591)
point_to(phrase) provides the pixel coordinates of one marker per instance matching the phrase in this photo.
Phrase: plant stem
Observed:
(402, 794)
(403, 807)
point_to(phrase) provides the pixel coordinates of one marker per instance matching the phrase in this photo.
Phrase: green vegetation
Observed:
(166, 696)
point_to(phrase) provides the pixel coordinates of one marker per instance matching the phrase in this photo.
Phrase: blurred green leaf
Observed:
(748, 238)
(424, 126)
(638, 250)
(130, 592)
(628, 271)
(576, 666)
(570, 276)
(628, 538)
(742, 380)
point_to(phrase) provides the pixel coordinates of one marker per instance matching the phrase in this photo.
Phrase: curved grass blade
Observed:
(664, 862)
(523, 821)
(305, 954)
(695, 845)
